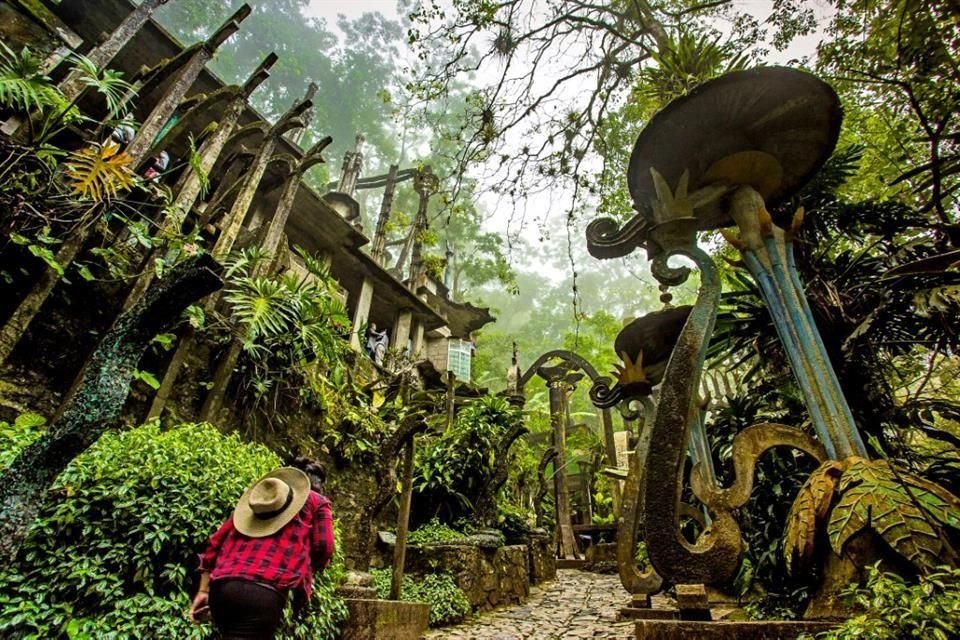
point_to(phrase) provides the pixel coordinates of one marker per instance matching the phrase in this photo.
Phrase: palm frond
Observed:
(23, 85)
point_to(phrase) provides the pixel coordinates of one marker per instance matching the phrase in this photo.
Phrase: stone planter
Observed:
(542, 561)
(385, 620)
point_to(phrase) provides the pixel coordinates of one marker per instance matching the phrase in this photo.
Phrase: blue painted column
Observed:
(767, 251)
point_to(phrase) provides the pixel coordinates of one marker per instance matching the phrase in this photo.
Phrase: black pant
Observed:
(244, 610)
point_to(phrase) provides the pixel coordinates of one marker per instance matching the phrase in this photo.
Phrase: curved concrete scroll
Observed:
(715, 555)
(748, 446)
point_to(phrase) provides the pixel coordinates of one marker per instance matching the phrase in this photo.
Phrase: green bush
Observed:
(114, 555)
(513, 522)
(15, 437)
(435, 532)
(894, 609)
(452, 470)
(448, 603)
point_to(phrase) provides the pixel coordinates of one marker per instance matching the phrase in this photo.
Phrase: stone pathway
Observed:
(577, 605)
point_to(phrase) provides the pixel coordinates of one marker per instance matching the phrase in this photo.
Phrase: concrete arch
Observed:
(561, 354)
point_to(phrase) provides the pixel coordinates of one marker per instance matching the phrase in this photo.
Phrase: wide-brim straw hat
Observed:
(272, 502)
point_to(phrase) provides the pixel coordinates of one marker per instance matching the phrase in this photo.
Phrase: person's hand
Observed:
(200, 609)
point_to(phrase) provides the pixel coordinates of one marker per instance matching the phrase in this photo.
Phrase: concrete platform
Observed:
(752, 630)
(646, 613)
(570, 563)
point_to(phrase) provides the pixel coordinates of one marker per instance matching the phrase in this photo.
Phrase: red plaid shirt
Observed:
(285, 560)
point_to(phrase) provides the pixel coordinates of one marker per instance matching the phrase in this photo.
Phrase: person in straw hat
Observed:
(280, 533)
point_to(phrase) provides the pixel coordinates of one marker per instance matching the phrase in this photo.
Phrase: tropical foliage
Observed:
(448, 603)
(14, 437)
(894, 608)
(114, 554)
(453, 469)
(293, 328)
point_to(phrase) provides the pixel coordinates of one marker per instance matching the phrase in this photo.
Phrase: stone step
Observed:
(646, 613)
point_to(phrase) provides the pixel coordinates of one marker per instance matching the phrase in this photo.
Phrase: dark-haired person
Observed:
(280, 533)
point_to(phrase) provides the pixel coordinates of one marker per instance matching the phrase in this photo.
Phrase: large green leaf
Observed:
(906, 511)
(808, 513)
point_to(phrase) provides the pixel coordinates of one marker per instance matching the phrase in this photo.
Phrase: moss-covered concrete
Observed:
(385, 620)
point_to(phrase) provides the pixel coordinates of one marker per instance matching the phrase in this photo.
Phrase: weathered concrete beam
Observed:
(183, 80)
(102, 54)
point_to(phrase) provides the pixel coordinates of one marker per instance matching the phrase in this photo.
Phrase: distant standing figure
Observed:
(156, 166)
(280, 533)
(377, 343)
(122, 135)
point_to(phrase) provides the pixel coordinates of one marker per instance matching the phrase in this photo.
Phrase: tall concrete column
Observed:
(610, 448)
(566, 541)
(386, 206)
(362, 314)
(401, 330)
(425, 183)
(416, 350)
(352, 166)
(183, 79)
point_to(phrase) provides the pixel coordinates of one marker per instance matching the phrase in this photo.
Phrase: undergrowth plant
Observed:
(293, 329)
(452, 470)
(15, 437)
(448, 603)
(894, 609)
(113, 556)
(435, 532)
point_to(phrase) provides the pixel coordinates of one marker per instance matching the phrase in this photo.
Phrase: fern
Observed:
(99, 172)
(23, 85)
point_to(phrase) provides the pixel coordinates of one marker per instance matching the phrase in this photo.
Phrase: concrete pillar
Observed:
(401, 330)
(417, 348)
(425, 183)
(352, 166)
(567, 543)
(362, 314)
(610, 447)
(386, 206)
(184, 79)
